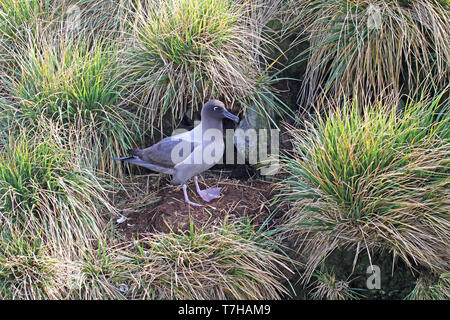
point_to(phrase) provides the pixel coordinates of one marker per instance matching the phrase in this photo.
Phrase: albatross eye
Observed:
(215, 108)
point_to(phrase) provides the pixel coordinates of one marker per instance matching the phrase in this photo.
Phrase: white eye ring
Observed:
(215, 108)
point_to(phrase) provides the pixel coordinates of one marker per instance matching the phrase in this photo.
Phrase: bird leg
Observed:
(207, 194)
(186, 199)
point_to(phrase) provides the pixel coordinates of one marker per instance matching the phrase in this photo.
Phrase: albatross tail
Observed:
(123, 158)
(147, 165)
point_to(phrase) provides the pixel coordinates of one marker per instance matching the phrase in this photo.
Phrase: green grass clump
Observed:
(231, 262)
(27, 271)
(78, 85)
(372, 46)
(370, 179)
(20, 18)
(47, 197)
(326, 286)
(426, 289)
(187, 51)
(104, 18)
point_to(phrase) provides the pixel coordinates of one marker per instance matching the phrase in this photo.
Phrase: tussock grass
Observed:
(371, 179)
(18, 21)
(187, 51)
(47, 197)
(104, 18)
(79, 86)
(427, 289)
(327, 287)
(226, 263)
(24, 271)
(371, 46)
(20, 18)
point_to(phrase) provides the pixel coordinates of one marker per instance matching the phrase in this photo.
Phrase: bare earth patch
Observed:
(169, 212)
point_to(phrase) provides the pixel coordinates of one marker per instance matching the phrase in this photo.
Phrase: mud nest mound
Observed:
(167, 212)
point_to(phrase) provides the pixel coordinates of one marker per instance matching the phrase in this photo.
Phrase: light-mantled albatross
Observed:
(188, 154)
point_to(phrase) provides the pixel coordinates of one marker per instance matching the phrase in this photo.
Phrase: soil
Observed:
(248, 198)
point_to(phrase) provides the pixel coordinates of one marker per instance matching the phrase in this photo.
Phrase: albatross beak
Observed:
(231, 116)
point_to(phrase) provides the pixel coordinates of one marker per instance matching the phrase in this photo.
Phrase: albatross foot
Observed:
(209, 194)
(186, 198)
(193, 203)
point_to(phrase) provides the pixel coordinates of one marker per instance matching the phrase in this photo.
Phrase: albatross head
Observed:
(215, 109)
